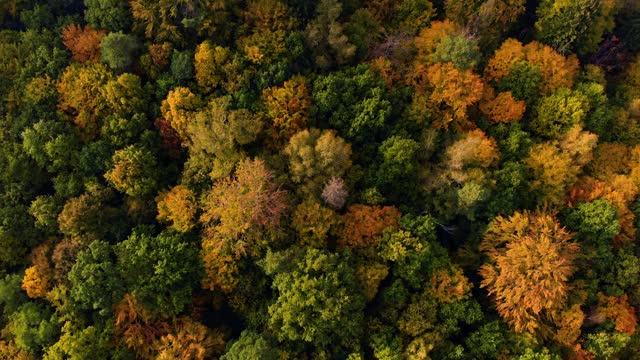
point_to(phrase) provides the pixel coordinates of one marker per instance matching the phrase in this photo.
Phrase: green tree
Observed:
(558, 112)
(461, 51)
(596, 220)
(160, 271)
(318, 300)
(353, 101)
(34, 327)
(250, 345)
(119, 50)
(95, 282)
(112, 15)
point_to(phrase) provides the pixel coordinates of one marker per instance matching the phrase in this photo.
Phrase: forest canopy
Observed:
(330, 179)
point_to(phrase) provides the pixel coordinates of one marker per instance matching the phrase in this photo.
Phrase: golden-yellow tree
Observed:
(288, 107)
(530, 265)
(178, 207)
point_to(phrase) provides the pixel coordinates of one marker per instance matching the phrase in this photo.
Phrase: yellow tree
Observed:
(288, 107)
(553, 172)
(530, 264)
(178, 207)
(80, 88)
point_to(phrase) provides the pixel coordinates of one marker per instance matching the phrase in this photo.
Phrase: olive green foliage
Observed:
(153, 269)
(119, 50)
(318, 299)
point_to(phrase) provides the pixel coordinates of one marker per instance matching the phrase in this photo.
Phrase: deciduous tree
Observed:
(530, 264)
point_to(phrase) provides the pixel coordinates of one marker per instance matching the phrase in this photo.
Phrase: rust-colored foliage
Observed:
(557, 71)
(618, 310)
(84, 43)
(502, 108)
(364, 224)
(178, 207)
(170, 138)
(161, 54)
(454, 88)
(288, 107)
(530, 263)
(64, 256)
(136, 328)
(450, 285)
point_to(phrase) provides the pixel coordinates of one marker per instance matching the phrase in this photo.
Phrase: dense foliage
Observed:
(331, 179)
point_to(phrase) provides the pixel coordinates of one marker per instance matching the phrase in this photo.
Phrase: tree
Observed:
(596, 220)
(314, 223)
(459, 50)
(530, 263)
(335, 193)
(161, 271)
(34, 327)
(466, 159)
(243, 211)
(552, 171)
(353, 101)
(325, 36)
(209, 64)
(288, 107)
(574, 25)
(250, 345)
(178, 207)
(134, 171)
(558, 112)
(454, 88)
(88, 215)
(556, 71)
(399, 161)
(79, 344)
(113, 15)
(503, 107)
(317, 301)
(315, 156)
(179, 107)
(189, 340)
(219, 130)
(80, 89)
(95, 282)
(84, 43)
(364, 224)
(119, 50)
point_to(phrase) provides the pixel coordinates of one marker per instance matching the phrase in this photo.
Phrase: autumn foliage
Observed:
(84, 43)
(531, 262)
(363, 224)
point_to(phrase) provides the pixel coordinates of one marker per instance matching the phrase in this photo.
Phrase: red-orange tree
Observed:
(364, 224)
